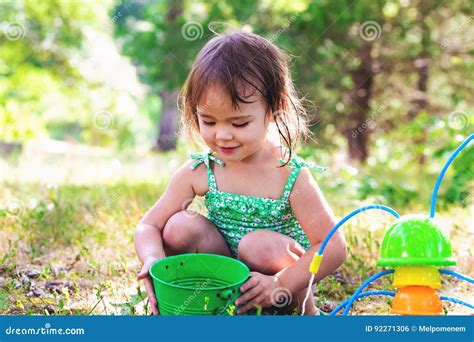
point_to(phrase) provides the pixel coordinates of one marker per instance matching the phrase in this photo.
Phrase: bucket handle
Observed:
(222, 295)
(226, 294)
(225, 307)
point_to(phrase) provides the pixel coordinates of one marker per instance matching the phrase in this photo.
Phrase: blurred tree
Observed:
(164, 37)
(337, 41)
(360, 61)
(48, 85)
(151, 34)
(36, 43)
(169, 98)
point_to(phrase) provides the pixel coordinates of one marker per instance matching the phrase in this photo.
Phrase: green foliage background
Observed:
(64, 65)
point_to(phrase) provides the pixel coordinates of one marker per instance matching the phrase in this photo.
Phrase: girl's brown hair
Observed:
(245, 63)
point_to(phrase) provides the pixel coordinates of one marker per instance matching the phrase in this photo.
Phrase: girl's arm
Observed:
(316, 218)
(178, 195)
(148, 241)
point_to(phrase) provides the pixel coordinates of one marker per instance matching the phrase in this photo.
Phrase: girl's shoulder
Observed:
(197, 172)
(196, 176)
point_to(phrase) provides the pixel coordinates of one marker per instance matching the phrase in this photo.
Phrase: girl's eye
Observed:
(208, 123)
(241, 125)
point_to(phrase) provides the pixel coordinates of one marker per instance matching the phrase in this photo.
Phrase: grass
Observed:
(67, 249)
(78, 238)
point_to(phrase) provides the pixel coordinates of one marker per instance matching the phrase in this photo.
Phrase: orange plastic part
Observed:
(417, 300)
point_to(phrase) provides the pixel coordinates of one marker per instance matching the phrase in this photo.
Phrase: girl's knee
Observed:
(267, 251)
(181, 230)
(252, 247)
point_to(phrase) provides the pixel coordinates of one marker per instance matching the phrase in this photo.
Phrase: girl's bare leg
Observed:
(269, 252)
(190, 232)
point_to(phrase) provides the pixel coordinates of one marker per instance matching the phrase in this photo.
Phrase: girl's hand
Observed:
(143, 274)
(257, 291)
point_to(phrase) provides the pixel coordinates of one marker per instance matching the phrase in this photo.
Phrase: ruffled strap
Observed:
(296, 164)
(205, 158)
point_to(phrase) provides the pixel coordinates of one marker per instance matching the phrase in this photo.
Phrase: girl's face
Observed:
(235, 134)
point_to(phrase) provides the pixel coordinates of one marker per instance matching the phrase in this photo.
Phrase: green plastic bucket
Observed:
(197, 284)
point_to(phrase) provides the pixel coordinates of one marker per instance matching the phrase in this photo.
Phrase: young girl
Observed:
(264, 207)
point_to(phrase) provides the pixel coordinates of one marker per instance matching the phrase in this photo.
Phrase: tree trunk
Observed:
(168, 121)
(169, 114)
(419, 99)
(9, 148)
(357, 131)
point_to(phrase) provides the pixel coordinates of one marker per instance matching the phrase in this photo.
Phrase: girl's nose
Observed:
(224, 134)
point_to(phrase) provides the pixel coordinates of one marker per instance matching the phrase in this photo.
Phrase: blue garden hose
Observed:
(366, 283)
(362, 295)
(354, 297)
(457, 275)
(392, 294)
(357, 294)
(348, 216)
(317, 258)
(457, 301)
(443, 171)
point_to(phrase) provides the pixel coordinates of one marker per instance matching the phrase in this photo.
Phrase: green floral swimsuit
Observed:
(236, 215)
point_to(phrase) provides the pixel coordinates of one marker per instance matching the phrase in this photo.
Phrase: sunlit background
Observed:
(89, 130)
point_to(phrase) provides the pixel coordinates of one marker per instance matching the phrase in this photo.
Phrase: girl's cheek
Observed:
(206, 134)
(248, 138)
(254, 133)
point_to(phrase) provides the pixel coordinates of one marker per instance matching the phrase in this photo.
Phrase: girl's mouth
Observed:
(228, 150)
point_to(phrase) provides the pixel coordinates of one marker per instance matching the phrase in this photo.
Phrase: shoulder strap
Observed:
(205, 158)
(296, 164)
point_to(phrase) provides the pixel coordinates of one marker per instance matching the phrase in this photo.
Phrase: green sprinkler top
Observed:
(415, 240)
